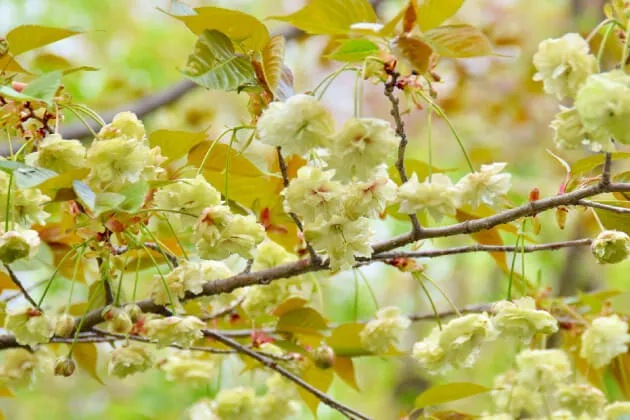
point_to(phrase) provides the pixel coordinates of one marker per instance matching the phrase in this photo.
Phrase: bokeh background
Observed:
(501, 114)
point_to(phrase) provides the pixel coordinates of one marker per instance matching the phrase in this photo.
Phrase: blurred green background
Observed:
(501, 114)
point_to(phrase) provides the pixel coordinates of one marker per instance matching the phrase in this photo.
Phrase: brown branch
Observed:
(608, 207)
(170, 257)
(315, 258)
(481, 248)
(271, 364)
(402, 146)
(19, 284)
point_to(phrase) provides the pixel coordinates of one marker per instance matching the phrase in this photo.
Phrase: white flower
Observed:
(605, 339)
(438, 196)
(125, 124)
(563, 64)
(360, 147)
(298, 125)
(129, 359)
(369, 198)
(570, 133)
(240, 236)
(542, 368)
(18, 244)
(604, 104)
(611, 247)
(30, 327)
(522, 319)
(341, 239)
(183, 331)
(313, 194)
(486, 186)
(380, 333)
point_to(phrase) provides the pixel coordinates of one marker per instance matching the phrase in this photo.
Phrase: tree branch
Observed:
(19, 284)
(271, 364)
(402, 147)
(593, 204)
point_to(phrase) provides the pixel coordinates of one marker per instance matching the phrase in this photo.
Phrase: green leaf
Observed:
(432, 13)
(9, 92)
(245, 30)
(318, 378)
(445, 393)
(273, 62)
(9, 64)
(28, 37)
(86, 356)
(612, 220)
(44, 87)
(344, 368)
(216, 66)
(458, 41)
(107, 201)
(354, 50)
(330, 17)
(134, 195)
(302, 321)
(175, 143)
(589, 163)
(26, 176)
(345, 340)
(85, 194)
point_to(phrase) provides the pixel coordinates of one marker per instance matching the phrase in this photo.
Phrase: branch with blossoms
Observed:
(180, 217)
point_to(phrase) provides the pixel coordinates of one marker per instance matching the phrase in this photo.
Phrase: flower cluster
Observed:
(30, 326)
(611, 247)
(187, 367)
(457, 344)
(380, 333)
(606, 338)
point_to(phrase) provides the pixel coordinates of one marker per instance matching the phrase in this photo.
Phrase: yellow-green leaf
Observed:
(318, 378)
(486, 237)
(445, 393)
(6, 393)
(175, 143)
(612, 220)
(458, 41)
(330, 17)
(432, 13)
(304, 320)
(6, 283)
(86, 356)
(9, 64)
(273, 61)
(215, 65)
(353, 50)
(289, 305)
(344, 368)
(28, 37)
(414, 50)
(245, 30)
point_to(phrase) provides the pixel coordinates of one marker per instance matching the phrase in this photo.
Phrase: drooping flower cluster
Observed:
(129, 359)
(187, 367)
(605, 339)
(29, 326)
(458, 343)
(611, 247)
(383, 331)
(183, 331)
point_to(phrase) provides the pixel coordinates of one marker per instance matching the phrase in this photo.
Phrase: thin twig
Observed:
(481, 248)
(315, 258)
(606, 170)
(19, 284)
(271, 364)
(170, 257)
(107, 286)
(594, 204)
(402, 146)
(226, 311)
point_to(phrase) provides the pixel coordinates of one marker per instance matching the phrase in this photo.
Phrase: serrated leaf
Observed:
(86, 356)
(28, 37)
(445, 393)
(330, 17)
(354, 50)
(344, 368)
(432, 13)
(215, 65)
(413, 50)
(304, 320)
(26, 176)
(318, 378)
(458, 41)
(273, 62)
(175, 143)
(244, 29)
(44, 87)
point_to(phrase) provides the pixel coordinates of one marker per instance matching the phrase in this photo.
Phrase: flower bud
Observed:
(134, 312)
(65, 366)
(611, 247)
(324, 357)
(15, 245)
(64, 326)
(118, 321)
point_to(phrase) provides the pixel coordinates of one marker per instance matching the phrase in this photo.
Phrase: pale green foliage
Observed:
(606, 338)
(298, 125)
(385, 330)
(563, 64)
